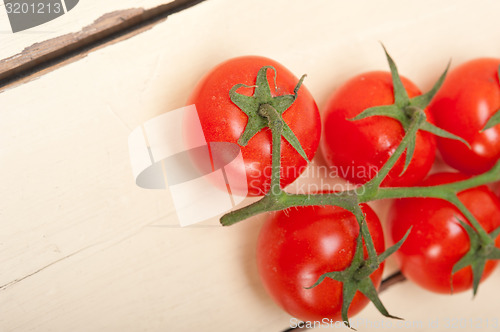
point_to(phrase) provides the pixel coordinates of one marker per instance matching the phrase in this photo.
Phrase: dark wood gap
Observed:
(46, 56)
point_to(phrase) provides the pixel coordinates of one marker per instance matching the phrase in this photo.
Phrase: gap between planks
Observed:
(41, 58)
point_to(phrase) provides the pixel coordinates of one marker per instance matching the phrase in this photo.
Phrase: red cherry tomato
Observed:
(358, 149)
(297, 246)
(470, 95)
(437, 240)
(223, 121)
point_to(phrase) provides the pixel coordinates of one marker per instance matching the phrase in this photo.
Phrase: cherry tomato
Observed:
(358, 149)
(437, 240)
(470, 95)
(297, 246)
(222, 121)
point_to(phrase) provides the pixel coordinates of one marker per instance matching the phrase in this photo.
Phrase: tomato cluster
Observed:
(297, 246)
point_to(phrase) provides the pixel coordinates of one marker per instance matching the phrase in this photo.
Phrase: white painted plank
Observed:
(68, 205)
(84, 14)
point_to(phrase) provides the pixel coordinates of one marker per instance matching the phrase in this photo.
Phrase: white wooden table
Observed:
(82, 248)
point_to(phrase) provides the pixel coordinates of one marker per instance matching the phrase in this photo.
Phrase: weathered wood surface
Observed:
(83, 249)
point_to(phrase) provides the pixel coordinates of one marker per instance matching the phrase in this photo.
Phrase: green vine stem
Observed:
(345, 199)
(442, 191)
(417, 118)
(276, 123)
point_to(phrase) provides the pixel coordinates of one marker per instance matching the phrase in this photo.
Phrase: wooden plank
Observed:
(83, 249)
(107, 28)
(82, 15)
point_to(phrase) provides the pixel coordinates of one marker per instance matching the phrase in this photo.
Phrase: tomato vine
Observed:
(267, 112)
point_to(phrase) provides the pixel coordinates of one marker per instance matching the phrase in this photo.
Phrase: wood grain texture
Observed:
(52, 48)
(75, 20)
(106, 28)
(83, 249)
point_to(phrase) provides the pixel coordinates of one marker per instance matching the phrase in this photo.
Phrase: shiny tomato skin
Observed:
(358, 149)
(297, 246)
(437, 241)
(223, 121)
(470, 95)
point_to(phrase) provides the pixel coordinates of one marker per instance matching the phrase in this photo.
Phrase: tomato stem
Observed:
(442, 191)
(346, 199)
(276, 124)
(373, 185)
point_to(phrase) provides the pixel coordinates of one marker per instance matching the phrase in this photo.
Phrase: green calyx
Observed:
(481, 250)
(495, 118)
(404, 109)
(251, 106)
(356, 277)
